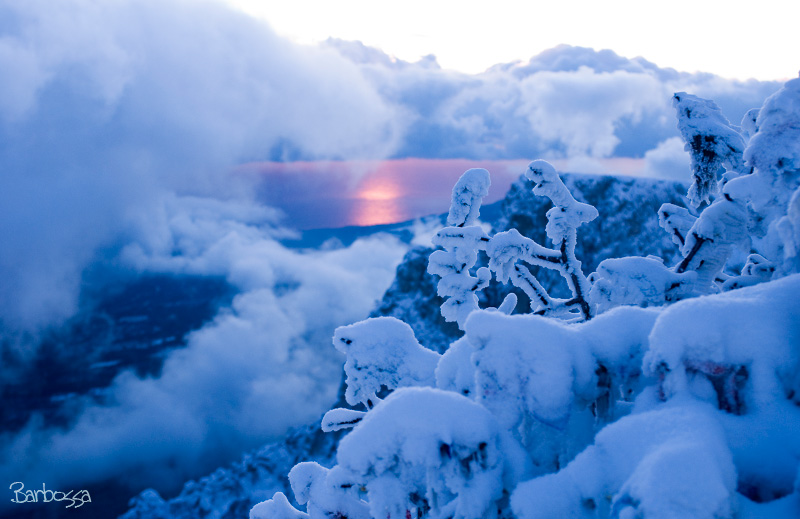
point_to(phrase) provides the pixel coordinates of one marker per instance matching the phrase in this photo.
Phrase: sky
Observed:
(727, 38)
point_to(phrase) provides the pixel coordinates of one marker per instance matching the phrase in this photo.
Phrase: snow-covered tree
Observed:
(506, 250)
(654, 392)
(462, 240)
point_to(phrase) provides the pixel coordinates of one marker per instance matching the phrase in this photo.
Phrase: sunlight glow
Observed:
(472, 35)
(386, 192)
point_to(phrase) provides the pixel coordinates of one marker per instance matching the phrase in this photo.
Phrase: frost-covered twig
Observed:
(677, 221)
(711, 141)
(461, 242)
(507, 248)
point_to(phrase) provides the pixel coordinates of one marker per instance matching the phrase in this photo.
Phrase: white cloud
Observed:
(106, 106)
(579, 109)
(262, 366)
(668, 160)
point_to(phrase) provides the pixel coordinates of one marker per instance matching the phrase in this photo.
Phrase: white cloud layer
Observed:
(260, 367)
(106, 106)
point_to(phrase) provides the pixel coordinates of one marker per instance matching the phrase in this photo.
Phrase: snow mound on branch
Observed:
(455, 371)
(756, 327)
(711, 141)
(634, 280)
(541, 377)
(552, 360)
(664, 464)
(431, 443)
(276, 508)
(568, 213)
(467, 195)
(775, 147)
(382, 351)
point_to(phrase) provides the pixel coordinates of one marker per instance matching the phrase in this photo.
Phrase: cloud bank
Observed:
(120, 126)
(260, 367)
(566, 101)
(106, 106)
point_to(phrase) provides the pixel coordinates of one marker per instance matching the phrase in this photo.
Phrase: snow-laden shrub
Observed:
(429, 452)
(382, 351)
(667, 463)
(654, 392)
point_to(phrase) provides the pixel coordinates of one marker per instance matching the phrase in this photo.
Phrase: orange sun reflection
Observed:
(378, 201)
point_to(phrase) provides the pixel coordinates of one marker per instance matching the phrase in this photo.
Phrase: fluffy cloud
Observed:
(262, 366)
(668, 160)
(107, 106)
(564, 102)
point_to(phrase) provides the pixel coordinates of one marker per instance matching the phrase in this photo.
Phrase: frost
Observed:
(430, 450)
(382, 351)
(711, 142)
(467, 196)
(667, 463)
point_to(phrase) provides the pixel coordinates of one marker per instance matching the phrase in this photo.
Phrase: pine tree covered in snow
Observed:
(652, 391)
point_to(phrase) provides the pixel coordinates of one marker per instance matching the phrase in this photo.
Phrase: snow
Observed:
(740, 351)
(316, 487)
(508, 248)
(545, 392)
(789, 229)
(457, 285)
(567, 212)
(382, 351)
(719, 230)
(667, 463)
(637, 281)
(431, 443)
(711, 141)
(677, 221)
(774, 154)
(673, 393)
(276, 508)
(467, 195)
(774, 148)
(337, 419)
(455, 371)
(756, 327)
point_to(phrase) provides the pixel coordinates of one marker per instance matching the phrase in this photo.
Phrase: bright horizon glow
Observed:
(326, 194)
(733, 39)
